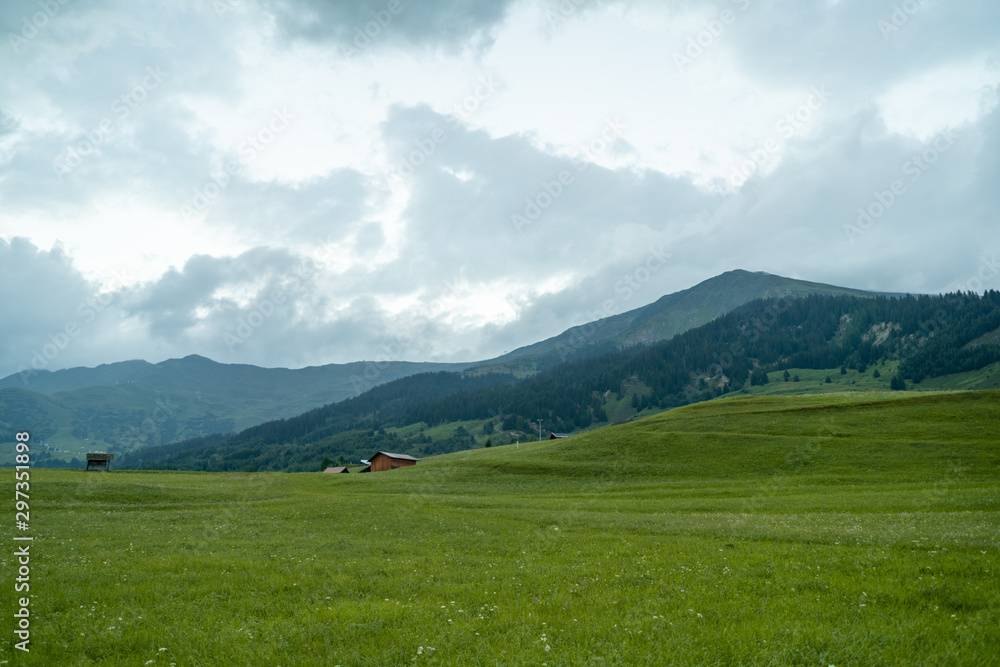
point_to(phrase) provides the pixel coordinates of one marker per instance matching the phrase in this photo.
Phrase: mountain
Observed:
(872, 342)
(136, 404)
(329, 383)
(661, 320)
(132, 404)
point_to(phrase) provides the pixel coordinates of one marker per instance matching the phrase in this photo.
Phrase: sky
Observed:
(295, 182)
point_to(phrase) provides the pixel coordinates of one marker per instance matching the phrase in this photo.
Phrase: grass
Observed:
(841, 529)
(813, 381)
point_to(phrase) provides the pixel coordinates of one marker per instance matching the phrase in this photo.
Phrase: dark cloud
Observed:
(357, 26)
(170, 305)
(54, 317)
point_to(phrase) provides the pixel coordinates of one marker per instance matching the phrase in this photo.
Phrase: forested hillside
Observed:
(928, 336)
(922, 336)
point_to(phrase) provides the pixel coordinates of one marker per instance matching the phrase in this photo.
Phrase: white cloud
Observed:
(951, 95)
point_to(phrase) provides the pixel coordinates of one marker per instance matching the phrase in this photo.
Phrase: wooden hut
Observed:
(98, 460)
(336, 470)
(386, 461)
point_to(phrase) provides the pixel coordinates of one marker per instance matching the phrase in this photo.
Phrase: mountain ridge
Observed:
(773, 341)
(193, 396)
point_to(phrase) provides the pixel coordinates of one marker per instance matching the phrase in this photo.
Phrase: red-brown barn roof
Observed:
(401, 457)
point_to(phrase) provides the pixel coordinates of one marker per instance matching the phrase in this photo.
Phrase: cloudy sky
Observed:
(295, 182)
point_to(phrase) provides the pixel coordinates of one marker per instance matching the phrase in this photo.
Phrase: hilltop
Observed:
(661, 320)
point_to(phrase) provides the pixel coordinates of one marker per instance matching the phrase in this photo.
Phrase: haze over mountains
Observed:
(133, 404)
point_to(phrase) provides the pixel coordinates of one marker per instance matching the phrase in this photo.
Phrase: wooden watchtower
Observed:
(98, 460)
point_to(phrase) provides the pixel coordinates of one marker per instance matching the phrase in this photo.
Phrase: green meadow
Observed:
(853, 528)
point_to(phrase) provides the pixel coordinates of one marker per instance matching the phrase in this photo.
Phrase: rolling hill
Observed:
(819, 530)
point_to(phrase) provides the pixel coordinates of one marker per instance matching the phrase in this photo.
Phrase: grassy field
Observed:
(839, 529)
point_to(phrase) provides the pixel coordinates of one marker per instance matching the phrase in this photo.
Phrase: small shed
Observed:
(336, 470)
(558, 436)
(382, 461)
(99, 460)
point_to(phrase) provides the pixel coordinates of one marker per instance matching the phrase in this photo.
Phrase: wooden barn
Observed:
(98, 460)
(338, 470)
(385, 461)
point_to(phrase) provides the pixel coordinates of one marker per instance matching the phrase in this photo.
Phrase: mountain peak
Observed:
(196, 359)
(668, 316)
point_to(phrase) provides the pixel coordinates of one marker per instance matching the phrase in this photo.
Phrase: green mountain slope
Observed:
(794, 345)
(898, 436)
(132, 404)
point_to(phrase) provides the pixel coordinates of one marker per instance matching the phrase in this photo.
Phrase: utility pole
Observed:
(539, 430)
